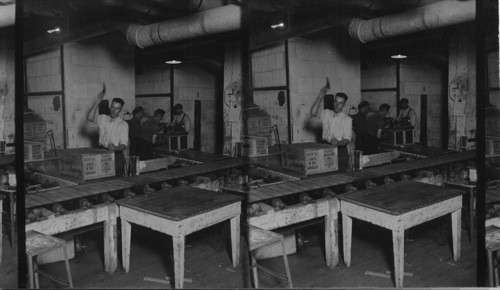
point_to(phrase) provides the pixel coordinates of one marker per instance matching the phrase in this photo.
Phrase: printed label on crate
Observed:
(329, 157)
(28, 130)
(294, 160)
(107, 164)
(39, 129)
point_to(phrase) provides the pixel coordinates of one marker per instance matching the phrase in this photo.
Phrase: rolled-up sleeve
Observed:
(123, 134)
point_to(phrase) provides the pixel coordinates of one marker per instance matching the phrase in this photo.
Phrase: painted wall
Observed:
(43, 71)
(380, 74)
(87, 64)
(153, 80)
(7, 92)
(191, 83)
(312, 59)
(417, 78)
(462, 86)
(232, 96)
(493, 78)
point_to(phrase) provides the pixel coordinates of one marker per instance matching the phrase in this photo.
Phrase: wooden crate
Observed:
(256, 122)
(177, 141)
(34, 150)
(87, 163)
(379, 158)
(254, 146)
(310, 158)
(399, 137)
(34, 126)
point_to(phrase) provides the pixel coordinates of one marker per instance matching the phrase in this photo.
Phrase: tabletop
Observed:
(180, 202)
(400, 197)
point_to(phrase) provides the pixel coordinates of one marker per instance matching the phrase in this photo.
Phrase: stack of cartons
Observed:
(34, 136)
(257, 132)
(87, 163)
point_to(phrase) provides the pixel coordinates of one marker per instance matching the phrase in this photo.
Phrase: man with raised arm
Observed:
(113, 130)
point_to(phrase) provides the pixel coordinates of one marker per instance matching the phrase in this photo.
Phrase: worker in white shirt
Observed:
(407, 116)
(113, 130)
(336, 125)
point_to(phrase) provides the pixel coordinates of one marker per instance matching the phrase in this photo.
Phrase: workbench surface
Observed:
(400, 197)
(180, 202)
(204, 157)
(418, 149)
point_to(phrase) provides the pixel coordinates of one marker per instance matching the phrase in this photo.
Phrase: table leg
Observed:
(347, 232)
(235, 240)
(489, 255)
(31, 275)
(12, 220)
(398, 244)
(126, 234)
(179, 261)
(456, 228)
(331, 234)
(472, 216)
(110, 245)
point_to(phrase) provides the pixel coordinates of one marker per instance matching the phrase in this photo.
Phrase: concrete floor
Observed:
(8, 267)
(211, 268)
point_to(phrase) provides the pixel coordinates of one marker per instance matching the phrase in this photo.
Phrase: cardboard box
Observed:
(310, 158)
(34, 150)
(399, 137)
(254, 146)
(87, 163)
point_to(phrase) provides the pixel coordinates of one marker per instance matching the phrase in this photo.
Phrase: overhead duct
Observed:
(219, 20)
(439, 14)
(7, 15)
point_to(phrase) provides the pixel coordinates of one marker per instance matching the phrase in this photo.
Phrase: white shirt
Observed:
(187, 121)
(112, 132)
(338, 126)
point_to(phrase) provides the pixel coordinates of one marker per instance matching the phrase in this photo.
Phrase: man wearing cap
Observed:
(407, 116)
(336, 125)
(113, 130)
(359, 125)
(181, 121)
(134, 129)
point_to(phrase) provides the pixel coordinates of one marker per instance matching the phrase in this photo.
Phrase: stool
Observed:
(38, 243)
(258, 238)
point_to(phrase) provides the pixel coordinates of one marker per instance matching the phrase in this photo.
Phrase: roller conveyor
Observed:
(122, 183)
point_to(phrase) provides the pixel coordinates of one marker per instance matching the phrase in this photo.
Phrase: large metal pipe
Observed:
(7, 15)
(223, 19)
(439, 14)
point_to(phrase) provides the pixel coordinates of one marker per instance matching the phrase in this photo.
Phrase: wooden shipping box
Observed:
(399, 137)
(256, 122)
(254, 146)
(87, 163)
(310, 158)
(34, 126)
(34, 150)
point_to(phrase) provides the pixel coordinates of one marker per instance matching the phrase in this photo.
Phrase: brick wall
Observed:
(232, 96)
(7, 92)
(312, 59)
(191, 83)
(462, 69)
(87, 64)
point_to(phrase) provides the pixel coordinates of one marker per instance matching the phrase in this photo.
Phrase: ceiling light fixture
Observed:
(54, 30)
(278, 25)
(398, 56)
(173, 61)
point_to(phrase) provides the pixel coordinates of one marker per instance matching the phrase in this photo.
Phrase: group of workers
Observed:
(362, 131)
(133, 137)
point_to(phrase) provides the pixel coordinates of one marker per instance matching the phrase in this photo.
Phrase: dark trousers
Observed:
(371, 145)
(145, 150)
(343, 156)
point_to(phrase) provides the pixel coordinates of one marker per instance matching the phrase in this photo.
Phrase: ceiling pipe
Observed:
(219, 20)
(7, 15)
(439, 14)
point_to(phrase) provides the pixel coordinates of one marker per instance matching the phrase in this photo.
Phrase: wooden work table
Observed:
(178, 212)
(397, 207)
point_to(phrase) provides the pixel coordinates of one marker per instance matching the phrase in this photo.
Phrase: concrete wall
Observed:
(153, 80)
(89, 63)
(312, 59)
(417, 78)
(191, 83)
(7, 92)
(462, 86)
(380, 74)
(43, 71)
(232, 96)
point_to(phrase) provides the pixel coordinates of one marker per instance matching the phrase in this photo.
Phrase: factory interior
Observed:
(252, 144)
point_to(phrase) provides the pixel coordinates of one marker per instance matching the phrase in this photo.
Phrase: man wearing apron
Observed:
(407, 116)
(181, 121)
(336, 125)
(113, 130)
